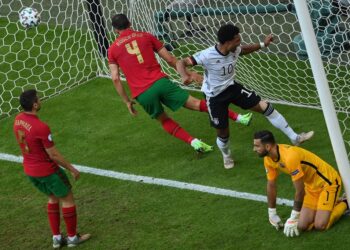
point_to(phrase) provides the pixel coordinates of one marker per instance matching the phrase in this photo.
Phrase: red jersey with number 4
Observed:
(33, 136)
(134, 52)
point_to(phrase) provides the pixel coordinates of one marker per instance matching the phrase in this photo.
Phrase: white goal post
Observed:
(325, 93)
(69, 47)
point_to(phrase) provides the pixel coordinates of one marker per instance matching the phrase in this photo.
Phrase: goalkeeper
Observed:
(317, 185)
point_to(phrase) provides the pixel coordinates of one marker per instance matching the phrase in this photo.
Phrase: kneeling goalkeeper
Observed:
(317, 185)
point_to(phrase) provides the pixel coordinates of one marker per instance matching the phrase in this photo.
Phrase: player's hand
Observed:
(268, 40)
(291, 226)
(192, 76)
(75, 173)
(274, 219)
(131, 109)
(195, 77)
(186, 79)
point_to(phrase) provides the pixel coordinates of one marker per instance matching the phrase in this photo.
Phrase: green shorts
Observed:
(161, 92)
(56, 184)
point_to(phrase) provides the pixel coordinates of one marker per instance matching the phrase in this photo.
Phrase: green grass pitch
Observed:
(91, 126)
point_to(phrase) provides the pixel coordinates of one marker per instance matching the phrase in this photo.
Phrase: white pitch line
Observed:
(162, 182)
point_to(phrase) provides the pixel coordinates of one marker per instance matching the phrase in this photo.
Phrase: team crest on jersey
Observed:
(281, 165)
(295, 172)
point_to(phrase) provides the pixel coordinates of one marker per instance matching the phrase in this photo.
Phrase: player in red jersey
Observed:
(40, 162)
(134, 53)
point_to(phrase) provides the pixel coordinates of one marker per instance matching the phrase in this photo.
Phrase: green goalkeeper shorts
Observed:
(161, 92)
(56, 184)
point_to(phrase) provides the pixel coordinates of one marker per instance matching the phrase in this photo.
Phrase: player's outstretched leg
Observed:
(201, 105)
(242, 119)
(200, 146)
(278, 121)
(174, 129)
(302, 137)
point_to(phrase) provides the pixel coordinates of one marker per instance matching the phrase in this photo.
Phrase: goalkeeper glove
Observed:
(291, 226)
(274, 219)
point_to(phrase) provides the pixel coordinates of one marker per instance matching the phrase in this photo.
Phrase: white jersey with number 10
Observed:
(219, 69)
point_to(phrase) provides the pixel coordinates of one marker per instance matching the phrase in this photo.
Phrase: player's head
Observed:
(30, 101)
(229, 34)
(120, 22)
(263, 142)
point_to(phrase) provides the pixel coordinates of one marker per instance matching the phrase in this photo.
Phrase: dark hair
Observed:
(227, 32)
(265, 136)
(27, 99)
(120, 22)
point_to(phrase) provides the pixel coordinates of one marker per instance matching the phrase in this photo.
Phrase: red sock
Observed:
(70, 218)
(204, 108)
(53, 213)
(233, 115)
(174, 129)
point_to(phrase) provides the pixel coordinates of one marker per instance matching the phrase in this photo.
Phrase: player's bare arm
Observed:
(168, 57)
(271, 193)
(274, 219)
(249, 48)
(56, 156)
(187, 76)
(181, 66)
(114, 69)
(299, 194)
(173, 62)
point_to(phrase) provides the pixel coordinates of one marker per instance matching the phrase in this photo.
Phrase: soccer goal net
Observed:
(68, 47)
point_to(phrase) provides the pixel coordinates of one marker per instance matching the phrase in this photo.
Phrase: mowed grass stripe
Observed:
(162, 182)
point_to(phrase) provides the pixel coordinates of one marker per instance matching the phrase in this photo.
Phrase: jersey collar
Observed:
(30, 114)
(216, 47)
(278, 155)
(126, 32)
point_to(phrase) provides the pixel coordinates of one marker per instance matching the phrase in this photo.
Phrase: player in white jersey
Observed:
(221, 89)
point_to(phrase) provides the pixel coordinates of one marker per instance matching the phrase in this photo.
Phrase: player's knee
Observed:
(268, 109)
(321, 225)
(260, 107)
(53, 199)
(162, 117)
(223, 134)
(68, 200)
(302, 226)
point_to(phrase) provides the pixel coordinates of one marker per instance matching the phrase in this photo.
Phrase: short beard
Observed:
(263, 154)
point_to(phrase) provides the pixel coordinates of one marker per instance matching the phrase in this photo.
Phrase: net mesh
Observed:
(62, 51)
